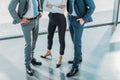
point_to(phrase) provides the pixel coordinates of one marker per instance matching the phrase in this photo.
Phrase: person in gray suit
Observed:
(27, 14)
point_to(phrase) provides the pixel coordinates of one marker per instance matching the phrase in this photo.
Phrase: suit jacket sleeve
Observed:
(90, 9)
(40, 8)
(12, 9)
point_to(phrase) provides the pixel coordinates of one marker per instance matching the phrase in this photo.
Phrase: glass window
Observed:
(103, 12)
(119, 14)
(4, 14)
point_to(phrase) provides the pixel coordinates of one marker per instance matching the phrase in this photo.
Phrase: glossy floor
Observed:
(101, 57)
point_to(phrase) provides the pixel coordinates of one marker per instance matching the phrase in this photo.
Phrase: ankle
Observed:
(60, 59)
(48, 52)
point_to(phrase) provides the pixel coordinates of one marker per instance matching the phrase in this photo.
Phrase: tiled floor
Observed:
(101, 58)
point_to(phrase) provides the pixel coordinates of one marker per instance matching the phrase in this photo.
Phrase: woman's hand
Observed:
(49, 5)
(61, 6)
(81, 21)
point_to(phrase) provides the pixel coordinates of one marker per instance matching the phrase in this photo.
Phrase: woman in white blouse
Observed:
(56, 10)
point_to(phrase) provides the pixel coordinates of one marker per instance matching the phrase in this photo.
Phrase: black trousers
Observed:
(56, 19)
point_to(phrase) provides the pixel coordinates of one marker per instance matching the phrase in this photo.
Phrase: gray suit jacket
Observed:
(22, 9)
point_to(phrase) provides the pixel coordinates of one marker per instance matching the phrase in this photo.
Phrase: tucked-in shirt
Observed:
(73, 9)
(30, 13)
(55, 4)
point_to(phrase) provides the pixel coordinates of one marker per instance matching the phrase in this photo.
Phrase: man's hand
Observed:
(81, 21)
(40, 14)
(49, 5)
(61, 6)
(25, 20)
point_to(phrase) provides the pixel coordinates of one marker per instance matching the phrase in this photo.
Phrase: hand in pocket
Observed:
(81, 21)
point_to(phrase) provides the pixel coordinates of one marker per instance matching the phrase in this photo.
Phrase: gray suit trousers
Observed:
(30, 32)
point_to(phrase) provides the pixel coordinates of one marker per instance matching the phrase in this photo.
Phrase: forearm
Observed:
(57, 8)
(12, 10)
(91, 5)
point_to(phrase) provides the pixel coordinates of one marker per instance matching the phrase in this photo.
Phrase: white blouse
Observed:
(55, 4)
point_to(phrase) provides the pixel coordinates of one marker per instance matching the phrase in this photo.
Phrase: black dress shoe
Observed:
(72, 72)
(71, 62)
(35, 62)
(58, 65)
(29, 71)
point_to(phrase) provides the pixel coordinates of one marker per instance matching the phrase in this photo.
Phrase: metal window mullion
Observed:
(116, 12)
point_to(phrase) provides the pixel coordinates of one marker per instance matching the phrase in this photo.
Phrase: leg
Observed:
(35, 31)
(61, 33)
(72, 37)
(70, 28)
(71, 32)
(78, 30)
(27, 50)
(51, 31)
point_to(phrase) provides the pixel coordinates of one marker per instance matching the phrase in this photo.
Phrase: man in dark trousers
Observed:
(28, 14)
(79, 13)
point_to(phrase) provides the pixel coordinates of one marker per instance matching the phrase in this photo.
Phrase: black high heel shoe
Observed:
(58, 65)
(59, 62)
(45, 57)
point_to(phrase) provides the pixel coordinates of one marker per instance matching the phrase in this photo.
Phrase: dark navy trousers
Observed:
(76, 30)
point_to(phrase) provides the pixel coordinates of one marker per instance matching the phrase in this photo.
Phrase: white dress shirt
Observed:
(73, 13)
(30, 11)
(55, 4)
